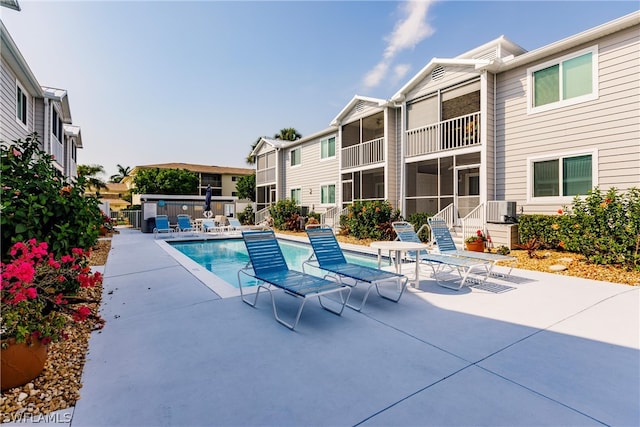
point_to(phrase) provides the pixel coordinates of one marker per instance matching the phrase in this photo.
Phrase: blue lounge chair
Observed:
(268, 266)
(184, 224)
(464, 266)
(328, 256)
(446, 246)
(162, 226)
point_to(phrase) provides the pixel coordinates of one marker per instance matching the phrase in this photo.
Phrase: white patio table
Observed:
(399, 248)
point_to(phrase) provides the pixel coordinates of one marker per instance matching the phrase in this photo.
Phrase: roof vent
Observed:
(437, 73)
(359, 106)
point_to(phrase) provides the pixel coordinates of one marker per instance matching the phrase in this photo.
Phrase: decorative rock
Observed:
(22, 396)
(557, 267)
(566, 259)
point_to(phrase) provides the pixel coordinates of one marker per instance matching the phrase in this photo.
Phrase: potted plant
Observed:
(476, 242)
(38, 299)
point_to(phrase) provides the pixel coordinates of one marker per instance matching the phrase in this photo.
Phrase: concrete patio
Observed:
(555, 350)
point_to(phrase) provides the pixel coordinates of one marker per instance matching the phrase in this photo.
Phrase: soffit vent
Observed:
(437, 73)
(359, 106)
(490, 55)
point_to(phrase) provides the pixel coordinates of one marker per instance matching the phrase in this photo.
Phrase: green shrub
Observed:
(418, 220)
(370, 220)
(605, 228)
(37, 202)
(541, 228)
(247, 216)
(284, 214)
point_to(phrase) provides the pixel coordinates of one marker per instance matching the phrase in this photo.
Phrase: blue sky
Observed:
(199, 82)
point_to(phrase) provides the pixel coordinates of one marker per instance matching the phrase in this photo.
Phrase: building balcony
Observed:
(459, 132)
(364, 154)
(265, 176)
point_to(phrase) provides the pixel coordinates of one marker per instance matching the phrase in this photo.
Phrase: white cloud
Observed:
(400, 71)
(408, 32)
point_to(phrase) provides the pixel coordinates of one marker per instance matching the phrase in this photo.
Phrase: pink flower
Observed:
(31, 293)
(81, 314)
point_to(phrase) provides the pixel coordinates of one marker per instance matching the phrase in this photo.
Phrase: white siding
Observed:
(362, 109)
(312, 173)
(610, 124)
(10, 128)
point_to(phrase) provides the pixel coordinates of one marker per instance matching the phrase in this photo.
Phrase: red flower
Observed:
(81, 314)
(560, 212)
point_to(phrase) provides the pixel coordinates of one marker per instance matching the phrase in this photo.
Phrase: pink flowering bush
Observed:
(39, 292)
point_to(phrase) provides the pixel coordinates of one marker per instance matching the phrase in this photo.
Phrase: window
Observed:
(296, 157)
(563, 176)
(56, 125)
(328, 194)
(234, 178)
(296, 195)
(21, 105)
(328, 148)
(565, 81)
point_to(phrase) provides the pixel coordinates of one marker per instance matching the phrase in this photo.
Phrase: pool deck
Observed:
(554, 350)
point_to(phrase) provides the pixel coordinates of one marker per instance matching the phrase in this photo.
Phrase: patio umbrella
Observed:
(207, 199)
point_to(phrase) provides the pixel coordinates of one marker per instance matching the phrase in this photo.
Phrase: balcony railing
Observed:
(463, 131)
(57, 151)
(265, 175)
(367, 153)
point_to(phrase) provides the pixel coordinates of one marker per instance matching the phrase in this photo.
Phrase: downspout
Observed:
(403, 199)
(46, 143)
(495, 142)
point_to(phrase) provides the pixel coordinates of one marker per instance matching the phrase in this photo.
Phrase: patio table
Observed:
(400, 249)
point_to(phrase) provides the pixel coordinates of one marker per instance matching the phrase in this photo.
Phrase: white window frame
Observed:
(298, 189)
(335, 148)
(293, 150)
(335, 193)
(561, 199)
(26, 109)
(531, 109)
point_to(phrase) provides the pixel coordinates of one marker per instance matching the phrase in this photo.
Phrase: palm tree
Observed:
(123, 171)
(286, 134)
(90, 172)
(251, 159)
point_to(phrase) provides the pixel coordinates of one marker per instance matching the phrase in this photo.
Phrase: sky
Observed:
(200, 81)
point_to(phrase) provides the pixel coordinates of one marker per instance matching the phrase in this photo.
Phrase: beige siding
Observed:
(312, 173)
(610, 124)
(452, 76)
(10, 128)
(363, 109)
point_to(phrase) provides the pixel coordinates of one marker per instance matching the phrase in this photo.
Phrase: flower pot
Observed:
(477, 246)
(21, 362)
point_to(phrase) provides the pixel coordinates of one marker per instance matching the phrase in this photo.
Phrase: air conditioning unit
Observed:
(501, 212)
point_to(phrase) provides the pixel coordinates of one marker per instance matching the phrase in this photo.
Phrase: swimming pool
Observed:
(225, 257)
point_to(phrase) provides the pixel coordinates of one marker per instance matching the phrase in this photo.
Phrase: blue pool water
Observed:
(225, 257)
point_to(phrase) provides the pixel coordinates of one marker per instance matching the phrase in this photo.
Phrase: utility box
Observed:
(501, 212)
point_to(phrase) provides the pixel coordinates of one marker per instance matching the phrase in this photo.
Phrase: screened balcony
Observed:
(363, 142)
(459, 132)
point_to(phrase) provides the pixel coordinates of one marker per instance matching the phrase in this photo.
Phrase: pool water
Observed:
(225, 257)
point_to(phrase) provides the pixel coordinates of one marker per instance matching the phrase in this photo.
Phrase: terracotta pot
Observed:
(477, 246)
(20, 363)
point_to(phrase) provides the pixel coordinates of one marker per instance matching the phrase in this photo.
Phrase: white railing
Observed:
(447, 214)
(265, 175)
(261, 215)
(327, 217)
(367, 153)
(463, 131)
(57, 151)
(473, 222)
